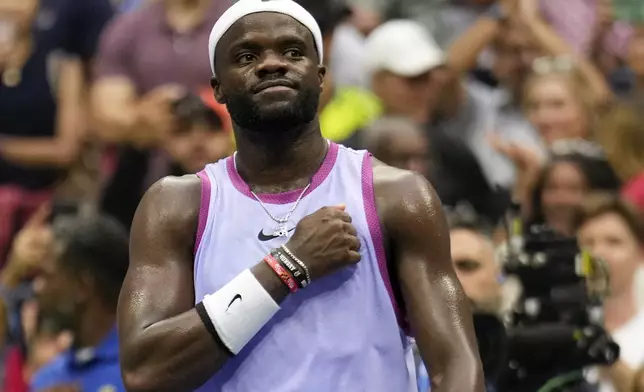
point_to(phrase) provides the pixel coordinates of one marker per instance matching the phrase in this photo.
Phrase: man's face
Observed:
(609, 238)
(514, 53)
(193, 148)
(268, 72)
(402, 95)
(57, 289)
(474, 261)
(15, 19)
(406, 148)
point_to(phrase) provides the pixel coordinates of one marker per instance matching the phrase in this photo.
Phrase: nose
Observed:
(271, 63)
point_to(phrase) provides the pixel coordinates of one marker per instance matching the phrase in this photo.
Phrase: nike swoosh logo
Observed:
(235, 298)
(267, 237)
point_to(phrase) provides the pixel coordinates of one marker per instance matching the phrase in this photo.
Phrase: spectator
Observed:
(148, 59)
(613, 231)
(30, 247)
(621, 133)
(81, 284)
(44, 49)
(588, 26)
(408, 78)
(559, 101)
(402, 60)
(518, 36)
(399, 142)
(561, 188)
(474, 259)
(198, 138)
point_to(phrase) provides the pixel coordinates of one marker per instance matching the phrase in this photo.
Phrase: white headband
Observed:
(247, 7)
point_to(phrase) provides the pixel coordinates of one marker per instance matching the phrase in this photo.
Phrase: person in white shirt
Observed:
(613, 231)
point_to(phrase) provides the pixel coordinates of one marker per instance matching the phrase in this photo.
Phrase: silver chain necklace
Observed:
(281, 230)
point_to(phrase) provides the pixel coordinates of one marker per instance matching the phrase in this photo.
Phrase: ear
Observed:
(321, 75)
(216, 88)
(85, 287)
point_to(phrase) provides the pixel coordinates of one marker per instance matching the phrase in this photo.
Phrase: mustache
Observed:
(274, 82)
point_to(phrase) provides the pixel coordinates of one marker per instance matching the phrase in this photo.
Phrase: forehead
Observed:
(467, 244)
(263, 28)
(553, 83)
(609, 222)
(564, 169)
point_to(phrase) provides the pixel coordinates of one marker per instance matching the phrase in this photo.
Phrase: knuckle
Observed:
(337, 224)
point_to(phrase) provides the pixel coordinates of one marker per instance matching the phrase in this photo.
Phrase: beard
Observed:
(251, 115)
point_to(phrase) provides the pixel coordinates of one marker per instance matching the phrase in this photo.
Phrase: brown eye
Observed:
(245, 58)
(293, 53)
(467, 265)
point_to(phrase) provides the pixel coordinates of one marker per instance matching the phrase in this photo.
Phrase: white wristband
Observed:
(239, 310)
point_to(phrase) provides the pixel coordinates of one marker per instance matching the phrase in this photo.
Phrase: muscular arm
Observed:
(164, 344)
(438, 311)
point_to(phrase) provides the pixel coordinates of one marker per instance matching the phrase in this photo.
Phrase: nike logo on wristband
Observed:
(235, 298)
(267, 237)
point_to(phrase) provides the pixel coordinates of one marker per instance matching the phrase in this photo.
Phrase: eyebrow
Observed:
(249, 42)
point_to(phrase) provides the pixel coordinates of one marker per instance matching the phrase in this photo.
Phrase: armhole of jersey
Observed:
(373, 222)
(204, 208)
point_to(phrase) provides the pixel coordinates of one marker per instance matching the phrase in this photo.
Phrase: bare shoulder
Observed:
(167, 189)
(169, 210)
(403, 194)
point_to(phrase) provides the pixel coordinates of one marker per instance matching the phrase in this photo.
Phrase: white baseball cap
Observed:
(402, 47)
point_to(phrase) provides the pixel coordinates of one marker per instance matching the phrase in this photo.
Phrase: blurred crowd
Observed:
(534, 102)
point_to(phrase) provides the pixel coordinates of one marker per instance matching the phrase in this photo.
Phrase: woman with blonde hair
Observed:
(562, 98)
(621, 133)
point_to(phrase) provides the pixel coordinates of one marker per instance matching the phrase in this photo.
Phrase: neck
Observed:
(279, 161)
(619, 309)
(94, 325)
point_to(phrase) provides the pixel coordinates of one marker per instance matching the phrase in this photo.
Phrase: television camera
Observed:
(556, 327)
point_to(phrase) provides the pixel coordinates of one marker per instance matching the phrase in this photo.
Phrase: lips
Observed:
(273, 83)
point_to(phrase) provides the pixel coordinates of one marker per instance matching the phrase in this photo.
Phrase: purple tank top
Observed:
(341, 334)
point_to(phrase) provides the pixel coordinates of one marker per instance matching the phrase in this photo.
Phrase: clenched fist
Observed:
(325, 241)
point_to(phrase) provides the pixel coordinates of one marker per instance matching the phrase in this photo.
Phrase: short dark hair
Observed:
(96, 244)
(602, 203)
(191, 109)
(463, 217)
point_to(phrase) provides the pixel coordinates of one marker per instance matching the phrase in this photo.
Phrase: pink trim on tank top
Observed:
(373, 221)
(203, 208)
(285, 197)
